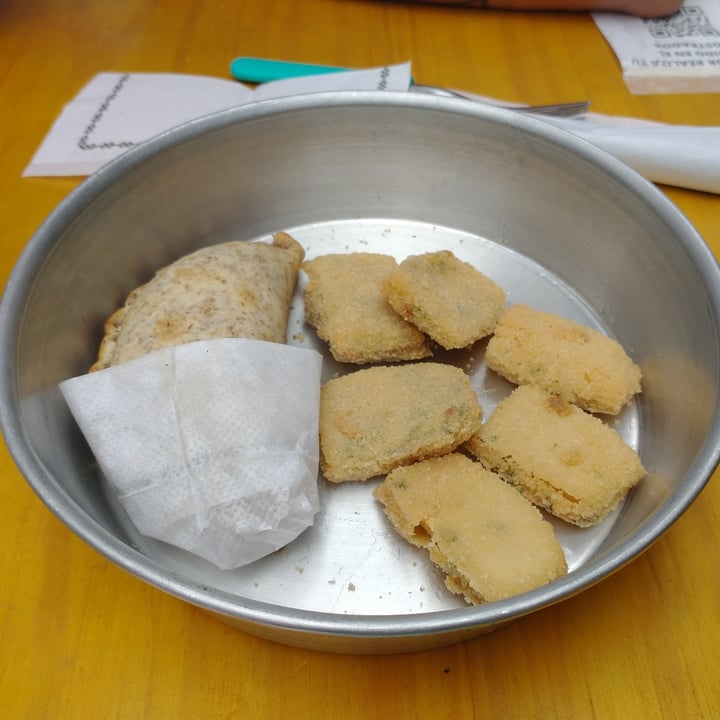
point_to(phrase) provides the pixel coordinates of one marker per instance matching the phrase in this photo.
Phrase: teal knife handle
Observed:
(259, 70)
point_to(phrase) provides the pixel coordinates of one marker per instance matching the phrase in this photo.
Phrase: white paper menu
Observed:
(676, 54)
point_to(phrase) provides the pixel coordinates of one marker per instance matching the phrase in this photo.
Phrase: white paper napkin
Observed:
(676, 54)
(211, 446)
(685, 156)
(681, 155)
(116, 111)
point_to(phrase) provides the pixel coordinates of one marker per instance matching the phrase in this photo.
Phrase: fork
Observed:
(260, 70)
(565, 109)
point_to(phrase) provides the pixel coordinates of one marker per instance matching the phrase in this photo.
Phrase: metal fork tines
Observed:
(566, 109)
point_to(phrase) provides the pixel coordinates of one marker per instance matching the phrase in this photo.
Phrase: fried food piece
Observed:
(490, 541)
(344, 304)
(379, 418)
(448, 299)
(232, 290)
(579, 364)
(561, 458)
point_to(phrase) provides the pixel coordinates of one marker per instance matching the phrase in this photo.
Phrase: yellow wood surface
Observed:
(80, 638)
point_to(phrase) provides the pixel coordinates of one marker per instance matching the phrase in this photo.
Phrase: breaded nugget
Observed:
(377, 419)
(579, 364)
(344, 304)
(231, 290)
(560, 457)
(448, 299)
(490, 541)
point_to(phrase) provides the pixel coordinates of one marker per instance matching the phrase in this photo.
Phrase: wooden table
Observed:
(80, 638)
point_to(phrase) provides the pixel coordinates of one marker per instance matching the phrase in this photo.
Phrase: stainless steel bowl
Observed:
(559, 223)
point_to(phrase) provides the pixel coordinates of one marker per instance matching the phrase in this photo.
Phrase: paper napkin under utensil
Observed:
(116, 111)
(210, 446)
(680, 155)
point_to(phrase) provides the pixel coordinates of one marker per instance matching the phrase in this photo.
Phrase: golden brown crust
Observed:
(489, 540)
(581, 365)
(560, 457)
(450, 300)
(235, 289)
(379, 418)
(344, 304)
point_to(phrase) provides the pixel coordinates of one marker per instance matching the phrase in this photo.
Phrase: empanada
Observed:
(231, 290)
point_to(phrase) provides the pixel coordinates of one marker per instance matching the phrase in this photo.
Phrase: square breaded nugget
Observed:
(377, 419)
(344, 304)
(561, 458)
(581, 365)
(448, 299)
(490, 541)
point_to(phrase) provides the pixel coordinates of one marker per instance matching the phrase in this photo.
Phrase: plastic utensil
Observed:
(260, 70)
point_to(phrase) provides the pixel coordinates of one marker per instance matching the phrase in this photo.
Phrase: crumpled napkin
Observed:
(211, 446)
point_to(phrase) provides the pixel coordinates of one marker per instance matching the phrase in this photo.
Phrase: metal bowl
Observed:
(560, 224)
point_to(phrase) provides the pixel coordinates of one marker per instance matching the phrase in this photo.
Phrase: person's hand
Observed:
(641, 8)
(647, 8)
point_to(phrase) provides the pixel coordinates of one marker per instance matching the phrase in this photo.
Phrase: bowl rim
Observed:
(261, 613)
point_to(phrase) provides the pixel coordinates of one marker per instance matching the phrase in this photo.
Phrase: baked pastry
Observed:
(490, 541)
(344, 304)
(579, 364)
(560, 457)
(231, 290)
(449, 300)
(379, 418)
